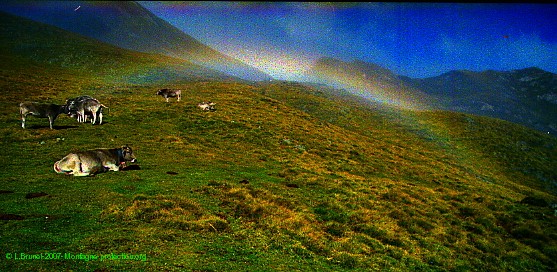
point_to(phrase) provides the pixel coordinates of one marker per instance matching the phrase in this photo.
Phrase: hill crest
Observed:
(129, 25)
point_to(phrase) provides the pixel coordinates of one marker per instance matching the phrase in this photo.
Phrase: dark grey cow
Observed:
(73, 103)
(166, 93)
(41, 110)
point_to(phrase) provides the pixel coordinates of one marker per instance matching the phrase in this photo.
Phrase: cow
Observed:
(167, 93)
(92, 162)
(84, 106)
(92, 106)
(41, 110)
(71, 104)
(207, 106)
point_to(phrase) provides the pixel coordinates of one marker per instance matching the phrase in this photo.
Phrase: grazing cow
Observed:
(71, 104)
(83, 106)
(91, 162)
(166, 93)
(41, 110)
(207, 106)
(92, 106)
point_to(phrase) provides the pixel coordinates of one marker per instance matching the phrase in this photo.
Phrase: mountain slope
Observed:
(526, 96)
(367, 80)
(278, 184)
(282, 176)
(25, 43)
(128, 25)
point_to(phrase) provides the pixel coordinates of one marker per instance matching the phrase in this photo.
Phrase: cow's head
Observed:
(161, 91)
(127, 154)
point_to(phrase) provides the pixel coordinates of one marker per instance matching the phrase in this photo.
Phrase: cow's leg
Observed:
(81, 116)
(179, 97)
(94, 118)
(23, 120)
(100, 117)
(82, 169)
(112, 167)
(50, 121)
(80, 174)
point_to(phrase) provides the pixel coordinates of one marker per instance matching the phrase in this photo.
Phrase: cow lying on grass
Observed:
(166, 93)
(84, 106)
(207, 106)
(41, 110)
(91, 162)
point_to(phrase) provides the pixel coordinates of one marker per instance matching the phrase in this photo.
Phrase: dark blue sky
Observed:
(412, 39)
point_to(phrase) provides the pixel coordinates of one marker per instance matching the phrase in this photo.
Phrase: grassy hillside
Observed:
(282, 176)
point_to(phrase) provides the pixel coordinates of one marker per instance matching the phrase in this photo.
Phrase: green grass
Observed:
(282, 176)
(271, 185)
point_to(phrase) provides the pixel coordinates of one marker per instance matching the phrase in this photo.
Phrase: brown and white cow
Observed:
(41, 110)
(91, 162)
(207, 106)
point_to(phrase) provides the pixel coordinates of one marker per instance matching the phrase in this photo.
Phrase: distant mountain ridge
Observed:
(129, 25)
(526, 96)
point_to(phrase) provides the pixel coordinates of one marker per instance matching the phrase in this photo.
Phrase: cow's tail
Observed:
(103, 106)
(21, 108)
(57, 168)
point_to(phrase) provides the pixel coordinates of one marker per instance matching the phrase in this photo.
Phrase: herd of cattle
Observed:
(95, 161)
(80, 107)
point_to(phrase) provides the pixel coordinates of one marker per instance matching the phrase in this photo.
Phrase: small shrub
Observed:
(328, 212)
(370, 230)
(467, 211)
(346, 260)
(534, 201)
(336, 229)
(527, 232)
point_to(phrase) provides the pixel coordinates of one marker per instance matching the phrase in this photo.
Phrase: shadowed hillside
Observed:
(128, 25)
(26, 43)
(282, 176)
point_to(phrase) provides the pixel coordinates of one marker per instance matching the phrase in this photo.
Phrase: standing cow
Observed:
(41, 110)
(166, 93)
(84, 106)
(92, 106)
